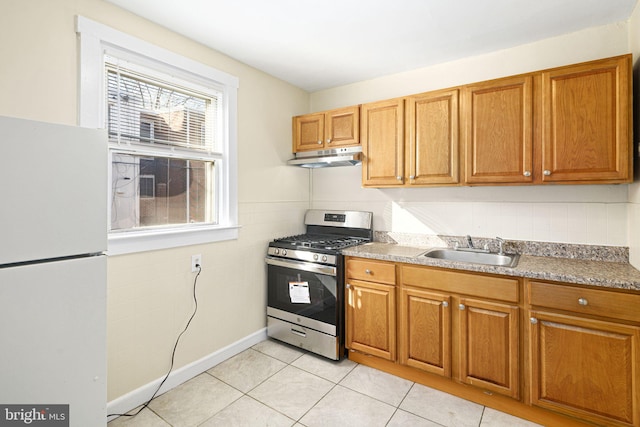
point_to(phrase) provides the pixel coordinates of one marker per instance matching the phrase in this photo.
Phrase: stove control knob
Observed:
(276, 251)
(315, 257)
(284, 252)
(324, 258)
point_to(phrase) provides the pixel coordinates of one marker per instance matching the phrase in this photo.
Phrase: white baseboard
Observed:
(137, 397)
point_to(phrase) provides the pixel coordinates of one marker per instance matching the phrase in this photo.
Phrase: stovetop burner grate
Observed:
(328, 242)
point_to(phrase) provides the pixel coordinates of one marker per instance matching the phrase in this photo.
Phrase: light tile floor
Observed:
(273, 384)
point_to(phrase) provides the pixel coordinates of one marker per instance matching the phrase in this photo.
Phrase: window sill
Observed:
(142, 241)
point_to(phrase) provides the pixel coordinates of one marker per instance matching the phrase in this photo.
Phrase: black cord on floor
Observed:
(173, 354)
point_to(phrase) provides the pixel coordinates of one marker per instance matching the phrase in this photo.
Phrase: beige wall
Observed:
(149, 294)
(634, 189)
(575, 214)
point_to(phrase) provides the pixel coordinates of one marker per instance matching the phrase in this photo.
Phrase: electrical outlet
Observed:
(196, 260)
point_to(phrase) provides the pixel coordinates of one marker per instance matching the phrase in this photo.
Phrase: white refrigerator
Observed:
(53, 235)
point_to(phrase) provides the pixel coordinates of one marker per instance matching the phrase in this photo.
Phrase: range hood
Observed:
(349, 156)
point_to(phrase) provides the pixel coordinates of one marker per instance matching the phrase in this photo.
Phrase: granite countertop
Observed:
(600, 273)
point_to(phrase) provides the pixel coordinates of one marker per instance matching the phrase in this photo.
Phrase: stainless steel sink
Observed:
(504, 260)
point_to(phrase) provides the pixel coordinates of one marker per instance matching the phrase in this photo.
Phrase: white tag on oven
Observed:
(299, 292)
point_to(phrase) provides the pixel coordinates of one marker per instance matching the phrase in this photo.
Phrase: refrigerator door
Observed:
(54, 182)
(53, 335)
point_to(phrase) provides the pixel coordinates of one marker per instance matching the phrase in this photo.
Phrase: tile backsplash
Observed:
(591, 223)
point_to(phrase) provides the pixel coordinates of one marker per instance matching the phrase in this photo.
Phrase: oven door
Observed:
(303, 293)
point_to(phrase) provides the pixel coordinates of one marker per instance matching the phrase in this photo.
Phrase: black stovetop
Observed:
(324, 242)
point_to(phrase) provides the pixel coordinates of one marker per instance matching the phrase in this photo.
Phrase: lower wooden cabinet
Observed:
(472, 340)
(371, 308)
(488, 345)
(425, 331)
(585, 352)
(586, 368)
(554, 353)
(371, 319)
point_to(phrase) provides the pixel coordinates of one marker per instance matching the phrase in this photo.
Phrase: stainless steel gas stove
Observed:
(305, 285)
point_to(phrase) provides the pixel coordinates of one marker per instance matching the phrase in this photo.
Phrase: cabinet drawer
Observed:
(493, 287)
(587, 301)
(372, 271)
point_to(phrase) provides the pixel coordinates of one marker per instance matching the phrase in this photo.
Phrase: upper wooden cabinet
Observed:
(382, 137)
(411, 141)
(498, 131)
(325, 130)
(567, 125)
(586, 122)
(432, 138)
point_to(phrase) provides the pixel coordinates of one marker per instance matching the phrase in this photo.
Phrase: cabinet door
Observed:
(371, 319)
(425, 331)
(342, 127)
(584, 367)
(498, 131)
(308, 132)
(488, 343)
(586, 122)
(432, 138)
(382, 137)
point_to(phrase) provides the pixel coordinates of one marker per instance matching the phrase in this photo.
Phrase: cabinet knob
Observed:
(461, 306)
(533, 320)
(399, 178)
(319, 142)
(412, 177)
(526, 173)
(329, 141)
(583, 301)
(546, 172)
(445, 304)
(367, 271)
(348, 286)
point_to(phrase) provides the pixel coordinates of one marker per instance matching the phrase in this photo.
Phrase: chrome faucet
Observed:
(470, 246)
(469, 242)
(500, 245)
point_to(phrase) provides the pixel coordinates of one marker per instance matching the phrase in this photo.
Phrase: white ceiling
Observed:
(317, 44)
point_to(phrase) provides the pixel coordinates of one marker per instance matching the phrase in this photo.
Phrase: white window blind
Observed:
(143, 109)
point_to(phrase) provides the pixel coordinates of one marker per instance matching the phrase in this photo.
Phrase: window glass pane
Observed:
(159, 191)
(144, 110)
(147, 186)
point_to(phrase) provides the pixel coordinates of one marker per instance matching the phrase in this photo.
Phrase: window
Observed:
(171, 130)
(177, 125)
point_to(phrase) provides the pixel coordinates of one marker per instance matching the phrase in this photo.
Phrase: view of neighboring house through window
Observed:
(163, 137)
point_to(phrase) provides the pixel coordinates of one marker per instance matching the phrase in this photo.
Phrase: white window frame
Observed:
(97, 39)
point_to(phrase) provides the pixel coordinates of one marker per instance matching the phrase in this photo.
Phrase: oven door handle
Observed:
(305, 266)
